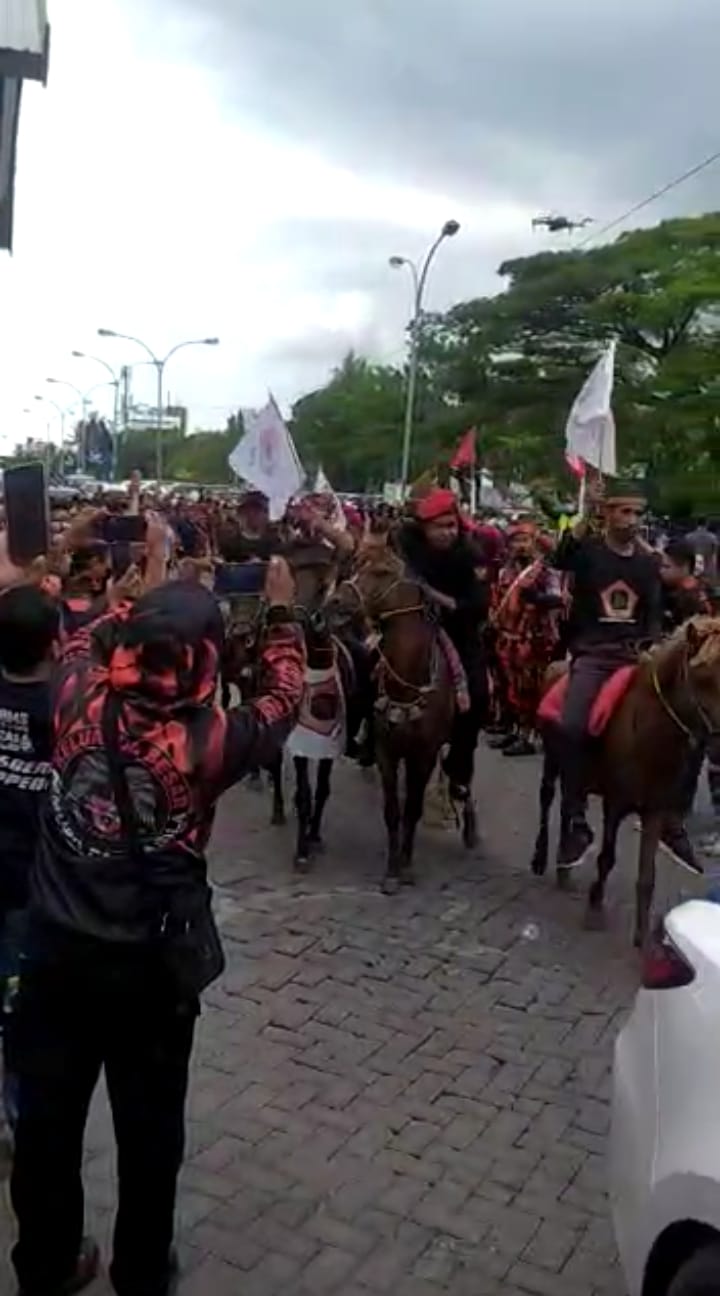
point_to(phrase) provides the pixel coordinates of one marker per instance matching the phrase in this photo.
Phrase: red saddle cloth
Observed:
(608, 699)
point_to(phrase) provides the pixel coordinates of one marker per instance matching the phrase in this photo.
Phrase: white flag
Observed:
(266, 457)
(323, 487)
(590, 430)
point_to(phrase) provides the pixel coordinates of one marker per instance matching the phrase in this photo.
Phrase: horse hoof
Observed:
(390, 885)
(565, 879)
(469, 827)
(538, 866)
(595, 919)
(255, 783)
(407, 878)
(278, 819)
(301, 864)
(317, 846)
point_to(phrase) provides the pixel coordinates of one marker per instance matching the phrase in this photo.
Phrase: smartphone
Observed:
(27, 511)
(126, 528)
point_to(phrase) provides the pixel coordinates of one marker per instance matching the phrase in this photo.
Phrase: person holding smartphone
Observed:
(121, 939)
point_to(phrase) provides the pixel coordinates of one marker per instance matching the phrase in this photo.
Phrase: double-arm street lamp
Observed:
(419, 272)
(84, 399)
(159, 364)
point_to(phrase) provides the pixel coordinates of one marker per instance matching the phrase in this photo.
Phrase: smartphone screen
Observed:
(127, 528)
(27, 512)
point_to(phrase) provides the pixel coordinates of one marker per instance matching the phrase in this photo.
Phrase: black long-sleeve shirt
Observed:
(452, 572)
(616, 597)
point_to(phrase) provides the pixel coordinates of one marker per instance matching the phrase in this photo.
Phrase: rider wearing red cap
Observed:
(449, 563)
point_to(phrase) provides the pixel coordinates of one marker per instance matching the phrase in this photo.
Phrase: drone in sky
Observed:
(557, 224)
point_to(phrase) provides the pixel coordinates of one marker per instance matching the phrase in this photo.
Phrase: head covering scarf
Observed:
(437, 503)
(164, 650)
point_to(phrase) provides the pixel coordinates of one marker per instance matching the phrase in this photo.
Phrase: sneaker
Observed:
(521, 746)
(575, 843)
(86, 1271)
(501, 741)
(676, 843)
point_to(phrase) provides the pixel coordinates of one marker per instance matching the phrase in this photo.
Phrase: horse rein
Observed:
(420, 690)
(710, 730)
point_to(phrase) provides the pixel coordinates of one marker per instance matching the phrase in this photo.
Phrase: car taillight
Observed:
(664, 967)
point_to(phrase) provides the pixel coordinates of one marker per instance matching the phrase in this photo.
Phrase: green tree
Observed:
(353, 425)
(513, 363)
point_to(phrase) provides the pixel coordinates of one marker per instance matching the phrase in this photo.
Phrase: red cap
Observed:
(436, 504)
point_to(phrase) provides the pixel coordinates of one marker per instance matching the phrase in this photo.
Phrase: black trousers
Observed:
(588, 673)
(460, 761)
(74, 1017)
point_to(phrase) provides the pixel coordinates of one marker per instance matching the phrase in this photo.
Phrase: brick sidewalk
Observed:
(401, 1095)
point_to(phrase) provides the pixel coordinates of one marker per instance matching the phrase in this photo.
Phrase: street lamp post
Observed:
(419, 278)
(160, 371)
(62, 414)
(115, 384)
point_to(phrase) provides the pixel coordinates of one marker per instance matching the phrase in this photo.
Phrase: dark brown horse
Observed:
(416, 696)
(669, 712)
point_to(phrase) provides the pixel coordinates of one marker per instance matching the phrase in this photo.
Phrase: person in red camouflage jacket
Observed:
(97, 989)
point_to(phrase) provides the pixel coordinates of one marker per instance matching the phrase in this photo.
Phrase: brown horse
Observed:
(670, 712)
(416, 696)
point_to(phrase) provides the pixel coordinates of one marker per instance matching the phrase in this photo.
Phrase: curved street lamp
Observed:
(160, 370)
(419, 273)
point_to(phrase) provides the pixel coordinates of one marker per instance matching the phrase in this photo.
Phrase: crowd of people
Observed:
(114, 752)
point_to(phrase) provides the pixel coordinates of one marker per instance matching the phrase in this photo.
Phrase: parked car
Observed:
(665, 1145)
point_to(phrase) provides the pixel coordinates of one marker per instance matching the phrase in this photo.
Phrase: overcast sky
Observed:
(245, 168)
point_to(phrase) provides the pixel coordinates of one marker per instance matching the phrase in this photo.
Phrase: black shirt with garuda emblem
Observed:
(616, 597)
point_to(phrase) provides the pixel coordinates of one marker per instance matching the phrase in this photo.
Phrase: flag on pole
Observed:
(590, 429)
(465, 456)
(266, 457)
(323, 487)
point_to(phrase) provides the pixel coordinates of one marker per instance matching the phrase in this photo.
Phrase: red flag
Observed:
(465, 456)
(575, 464)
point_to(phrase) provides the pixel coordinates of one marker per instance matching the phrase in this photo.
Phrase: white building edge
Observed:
(24, 55)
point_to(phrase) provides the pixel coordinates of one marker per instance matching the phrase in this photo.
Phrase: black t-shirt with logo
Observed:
(25, 749)
(616, 597)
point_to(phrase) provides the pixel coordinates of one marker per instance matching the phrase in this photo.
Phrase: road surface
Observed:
(404, 1095)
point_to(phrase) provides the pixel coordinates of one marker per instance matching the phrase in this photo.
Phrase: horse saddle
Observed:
(604, 707)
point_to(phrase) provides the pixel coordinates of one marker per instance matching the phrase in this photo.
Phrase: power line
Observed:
(659, 193)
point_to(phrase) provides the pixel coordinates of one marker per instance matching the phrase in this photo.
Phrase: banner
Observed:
(322, 487)
(265, 456)
(590, 429)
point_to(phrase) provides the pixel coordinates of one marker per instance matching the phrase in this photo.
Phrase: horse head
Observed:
(685, 675)
(384, 587)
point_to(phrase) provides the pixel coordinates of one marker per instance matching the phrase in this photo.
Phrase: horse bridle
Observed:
(710, 730)
(420, 690)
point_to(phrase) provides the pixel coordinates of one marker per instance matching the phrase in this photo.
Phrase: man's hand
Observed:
(442, 600)
(279, 584)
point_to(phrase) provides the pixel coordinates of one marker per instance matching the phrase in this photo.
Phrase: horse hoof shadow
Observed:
(565, 880)
(390, 886)
(407, 878)
(469, 827)
(538, 866)
(595, 919)
(279, 819)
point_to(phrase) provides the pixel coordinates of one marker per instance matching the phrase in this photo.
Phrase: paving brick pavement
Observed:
(407, 1094)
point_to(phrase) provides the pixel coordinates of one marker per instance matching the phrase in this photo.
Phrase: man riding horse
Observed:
(616, 608)
(448, 563)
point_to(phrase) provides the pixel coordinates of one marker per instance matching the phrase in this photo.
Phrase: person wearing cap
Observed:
(616, 609)
(447, 562)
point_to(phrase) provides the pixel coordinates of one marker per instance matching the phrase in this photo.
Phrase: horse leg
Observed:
(417, 777)
(391, 806)
(303, 807)
(278, 804)
(550, 772)
(650, 836)
(322, 792)
(595, 918)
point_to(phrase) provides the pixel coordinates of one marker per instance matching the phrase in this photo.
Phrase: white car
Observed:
(665, 1151)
